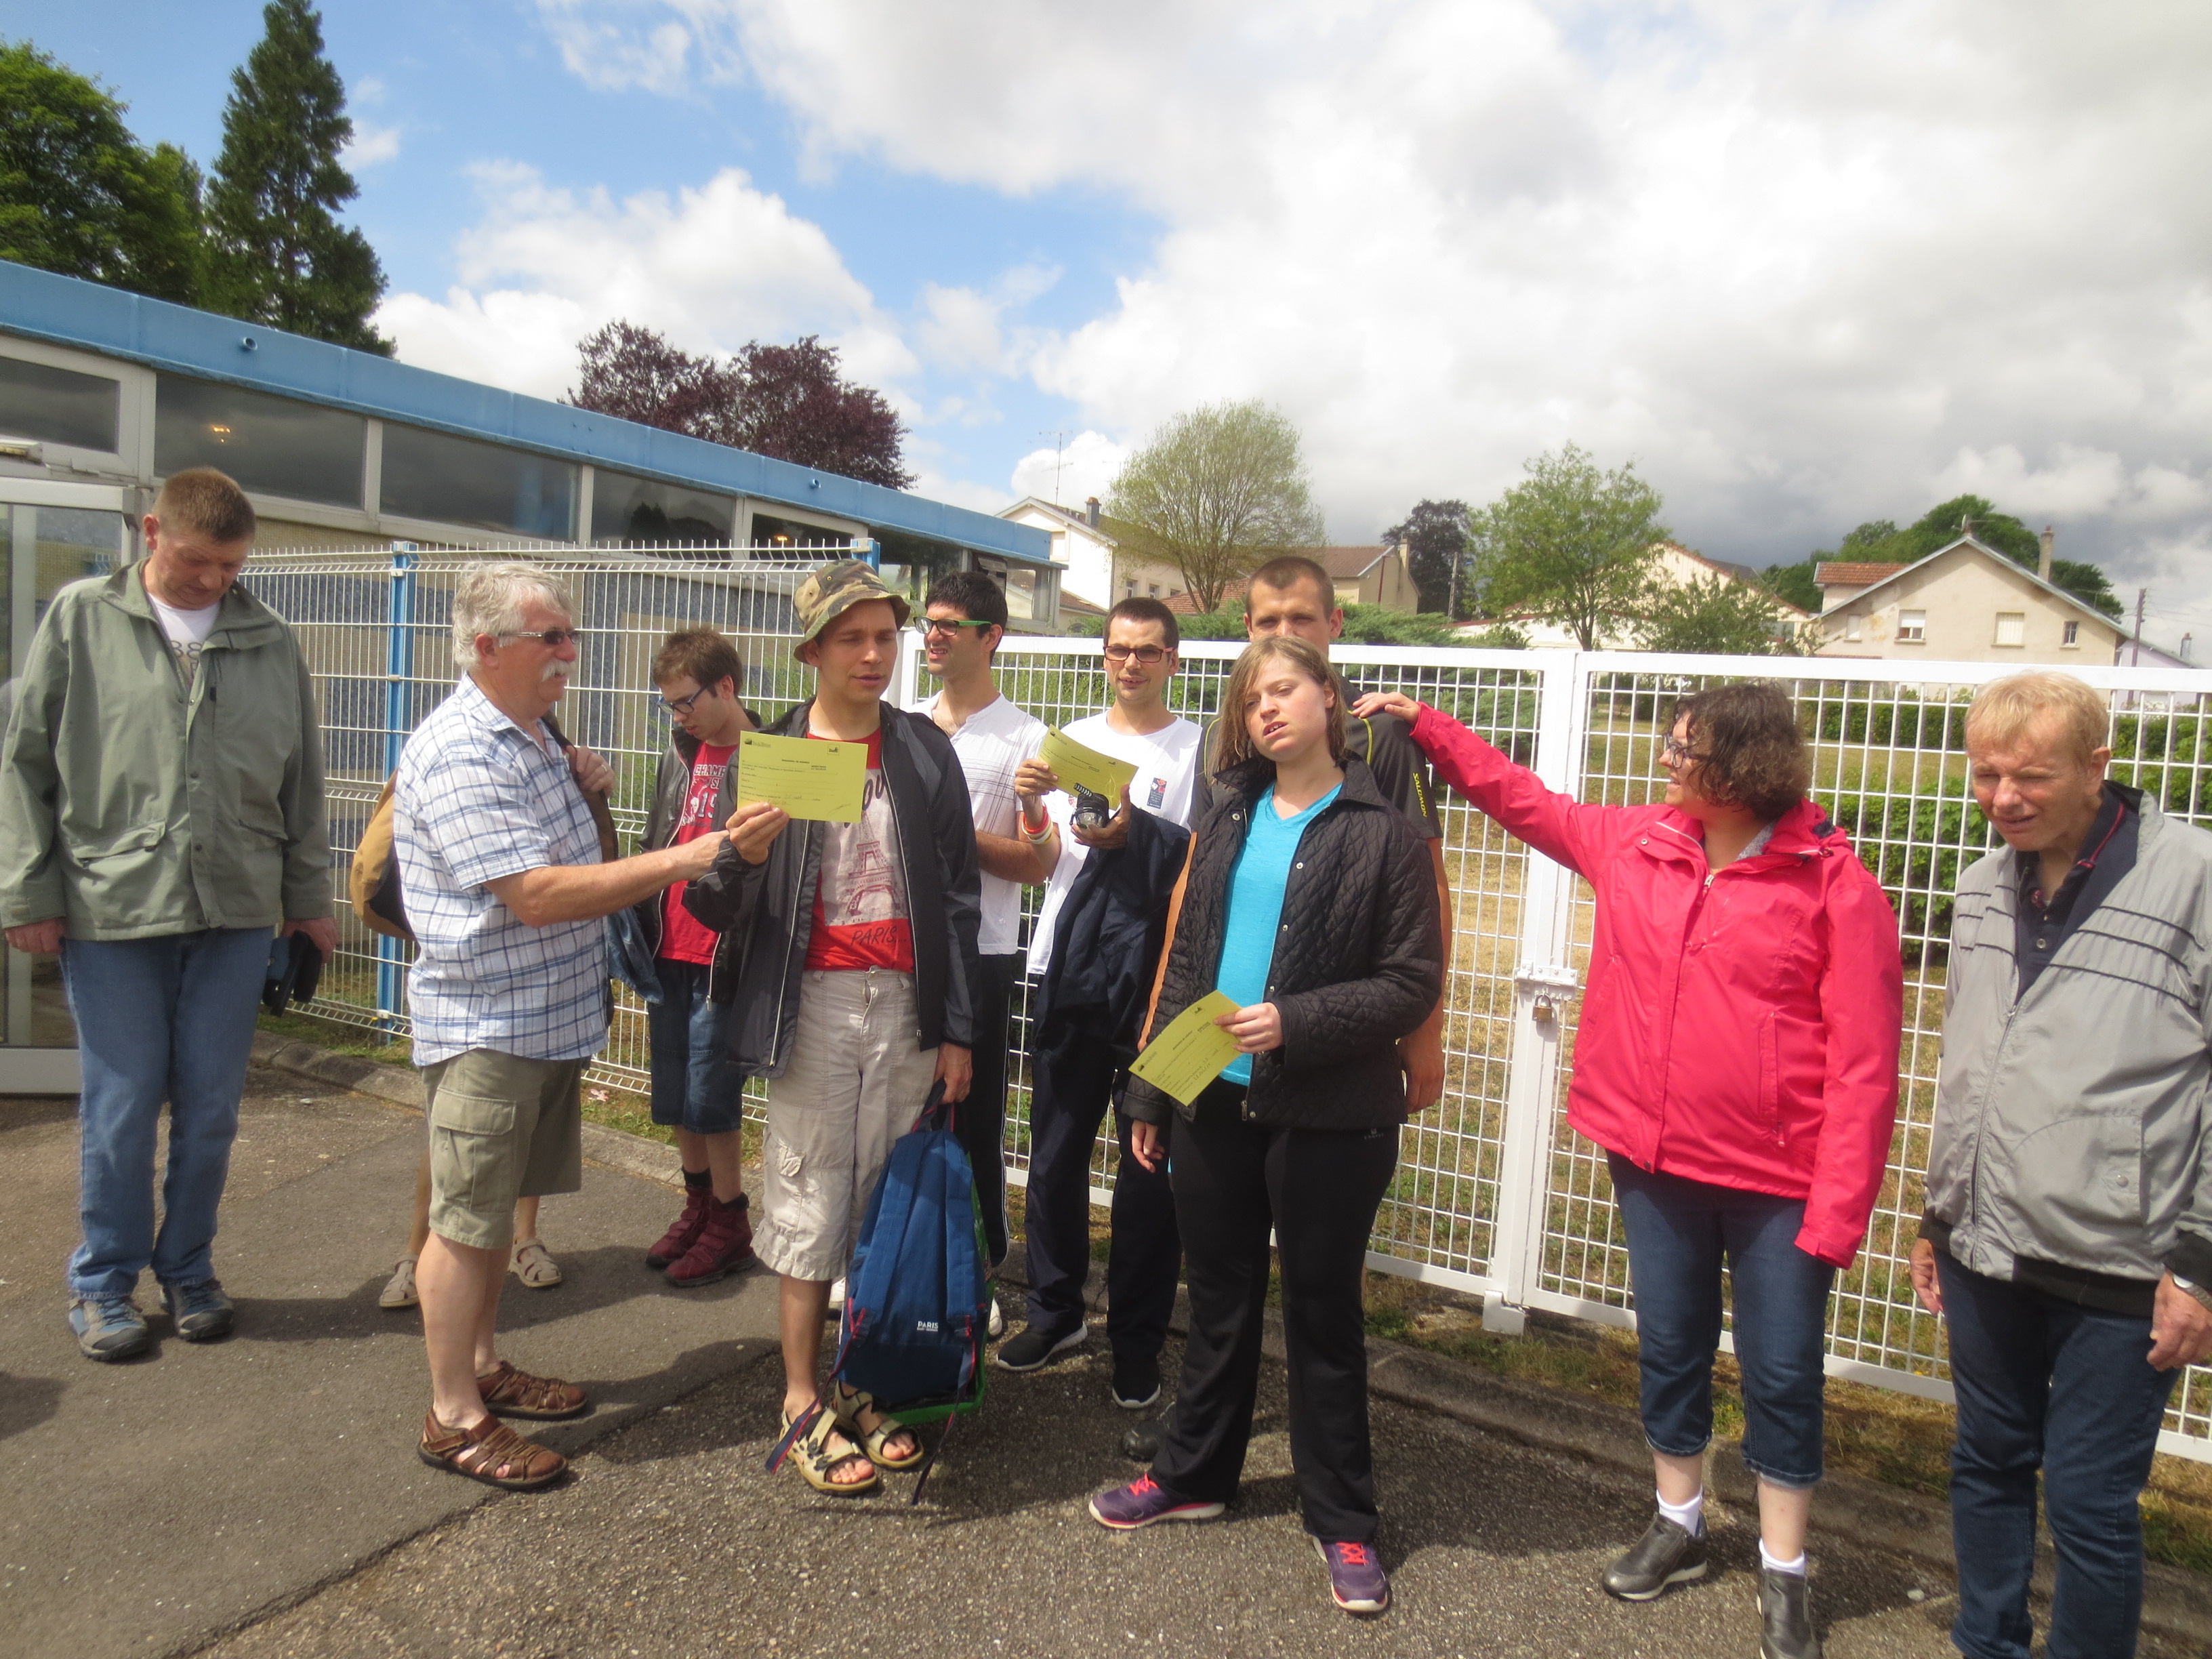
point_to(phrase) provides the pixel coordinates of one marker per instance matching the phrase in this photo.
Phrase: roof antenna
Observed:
(1058, 461)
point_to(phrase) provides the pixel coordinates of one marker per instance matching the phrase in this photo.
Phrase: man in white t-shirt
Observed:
(1071, 1069)
(965, 617)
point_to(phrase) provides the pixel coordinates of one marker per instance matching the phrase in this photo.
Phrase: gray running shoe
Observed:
(1665, 1555)
(109, 1328)
(200, 1311)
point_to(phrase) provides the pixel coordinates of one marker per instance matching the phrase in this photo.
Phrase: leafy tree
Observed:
(788, 401)
(1794, 583)
(1435, 534)
(276, 254)
(1217, 492)
(793, 403)
(80, 196)
(1882, 542)
(1498, 636)
(1572, 545)
(634, 374)
(1709, 614)
(1376, 624)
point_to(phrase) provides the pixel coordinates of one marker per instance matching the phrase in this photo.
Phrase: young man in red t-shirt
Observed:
(856, 947)
(697, 1090)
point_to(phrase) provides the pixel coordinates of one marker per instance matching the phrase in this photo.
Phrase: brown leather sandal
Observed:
(510, 1393)
(481, 1453)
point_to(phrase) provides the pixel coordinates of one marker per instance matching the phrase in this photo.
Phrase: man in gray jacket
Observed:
(161, 816)
(2068, 1234)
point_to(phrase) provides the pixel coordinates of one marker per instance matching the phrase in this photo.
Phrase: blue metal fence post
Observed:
(398, 703)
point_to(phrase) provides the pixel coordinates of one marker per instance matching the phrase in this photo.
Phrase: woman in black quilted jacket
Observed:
(1309, 902)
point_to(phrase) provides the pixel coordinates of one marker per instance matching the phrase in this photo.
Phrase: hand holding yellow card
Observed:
(1076, 767)
(1183, 1059)
(808, 778)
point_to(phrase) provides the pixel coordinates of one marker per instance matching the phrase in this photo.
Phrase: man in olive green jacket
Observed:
(160, 816)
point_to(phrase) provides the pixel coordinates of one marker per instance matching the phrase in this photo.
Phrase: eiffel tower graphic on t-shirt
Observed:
(866, 888)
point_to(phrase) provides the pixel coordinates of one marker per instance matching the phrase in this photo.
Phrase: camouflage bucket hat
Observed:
(837, 588)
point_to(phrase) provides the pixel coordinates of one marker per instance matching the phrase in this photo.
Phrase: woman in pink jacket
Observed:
(1736, 1058)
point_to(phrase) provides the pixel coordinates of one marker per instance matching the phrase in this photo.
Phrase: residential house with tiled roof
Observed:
(1966, 602)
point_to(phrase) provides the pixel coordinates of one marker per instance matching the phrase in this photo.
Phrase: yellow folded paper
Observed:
(806, 777)
(1182, 1059)
(1076, 766)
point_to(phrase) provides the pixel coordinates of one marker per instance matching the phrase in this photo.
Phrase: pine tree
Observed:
(277, 255)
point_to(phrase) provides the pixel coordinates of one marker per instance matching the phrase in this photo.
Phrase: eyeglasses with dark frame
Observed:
(676, 708)
(551, 638)
(948, 626)
(1674, 749)
(1146, 654)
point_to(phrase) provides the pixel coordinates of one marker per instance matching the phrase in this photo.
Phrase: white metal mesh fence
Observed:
(1494, 1195)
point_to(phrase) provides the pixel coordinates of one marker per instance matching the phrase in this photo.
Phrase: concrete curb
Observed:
(2176, 1604)
(650, 1160)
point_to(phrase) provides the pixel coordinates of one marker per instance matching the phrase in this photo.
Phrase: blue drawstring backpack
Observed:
(915, 1316)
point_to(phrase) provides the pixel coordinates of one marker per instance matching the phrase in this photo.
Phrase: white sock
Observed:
(1774, 1565)
(1689, 1516)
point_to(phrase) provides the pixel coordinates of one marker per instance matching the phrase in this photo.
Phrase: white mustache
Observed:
(554, 671)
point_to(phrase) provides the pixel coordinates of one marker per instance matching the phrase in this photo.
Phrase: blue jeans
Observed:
(158, 1018)
(1679, 1233)
(695, 1083)
(2043, 1383)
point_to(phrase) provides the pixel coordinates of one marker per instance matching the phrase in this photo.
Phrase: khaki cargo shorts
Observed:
(501, 1127)
(855, 1083)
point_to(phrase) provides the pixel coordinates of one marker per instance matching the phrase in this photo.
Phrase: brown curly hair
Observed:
(1749, 750)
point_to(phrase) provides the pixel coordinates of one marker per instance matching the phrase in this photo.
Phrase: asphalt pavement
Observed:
(261, 1496)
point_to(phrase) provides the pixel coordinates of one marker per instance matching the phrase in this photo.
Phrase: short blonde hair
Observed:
(2003, 709)
(1232, 739)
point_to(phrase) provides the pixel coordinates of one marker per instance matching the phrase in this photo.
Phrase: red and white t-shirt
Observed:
(860, 907)
(684, 937)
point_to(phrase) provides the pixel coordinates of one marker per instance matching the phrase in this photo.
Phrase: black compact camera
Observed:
(1093, 812)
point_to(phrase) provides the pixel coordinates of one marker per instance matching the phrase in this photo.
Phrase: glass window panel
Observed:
(57, 406)
(431, 475)
(1911, 624)
(271, 446)
(632, 512)
(771, 531)
(2011, 627)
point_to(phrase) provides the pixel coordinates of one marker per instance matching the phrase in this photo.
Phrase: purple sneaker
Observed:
(1143, 1501)
(1356, 1578)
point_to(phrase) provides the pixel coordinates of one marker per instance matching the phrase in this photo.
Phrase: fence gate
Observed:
(1495, 1196)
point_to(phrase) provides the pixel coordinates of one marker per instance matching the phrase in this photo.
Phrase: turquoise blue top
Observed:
(1255, 908)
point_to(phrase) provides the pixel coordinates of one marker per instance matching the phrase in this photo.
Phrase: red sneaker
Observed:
(725, 1246)
(685, 1233)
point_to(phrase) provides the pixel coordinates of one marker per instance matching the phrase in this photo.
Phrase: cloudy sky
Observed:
(1804, 264)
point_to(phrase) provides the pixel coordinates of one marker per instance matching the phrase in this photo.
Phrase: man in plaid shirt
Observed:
(500, 867)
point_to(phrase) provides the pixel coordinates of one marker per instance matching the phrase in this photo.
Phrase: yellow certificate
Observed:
(1076, 766)
(1182, 1059)
(806, 777)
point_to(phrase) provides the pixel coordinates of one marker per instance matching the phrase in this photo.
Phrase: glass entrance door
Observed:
(65, 533)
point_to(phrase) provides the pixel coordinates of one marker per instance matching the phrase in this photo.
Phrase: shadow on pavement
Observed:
(27, 1402)
(608, 1276)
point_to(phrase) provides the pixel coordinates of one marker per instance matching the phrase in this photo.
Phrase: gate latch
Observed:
(1553, 984)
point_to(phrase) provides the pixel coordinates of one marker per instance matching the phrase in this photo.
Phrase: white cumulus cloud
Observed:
(1807, 263)
(711, 268)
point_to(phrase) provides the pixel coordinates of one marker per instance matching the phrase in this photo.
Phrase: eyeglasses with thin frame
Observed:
(1674, 749)
(551, 638)
(948, 626)
(1146, 654)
